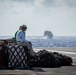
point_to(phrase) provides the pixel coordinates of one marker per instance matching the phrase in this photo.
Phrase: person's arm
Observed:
(22, 36)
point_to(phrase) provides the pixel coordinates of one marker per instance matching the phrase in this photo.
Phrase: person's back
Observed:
(15, 38)
(20, 37)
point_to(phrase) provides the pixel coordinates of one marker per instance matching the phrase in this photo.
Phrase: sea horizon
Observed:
(55, 42)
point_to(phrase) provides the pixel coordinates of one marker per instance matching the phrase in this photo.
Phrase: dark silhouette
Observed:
(48, 34)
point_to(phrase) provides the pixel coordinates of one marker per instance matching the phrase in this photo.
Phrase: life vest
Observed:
(15, 36)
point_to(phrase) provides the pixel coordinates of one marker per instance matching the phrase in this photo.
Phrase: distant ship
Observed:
(48, 34)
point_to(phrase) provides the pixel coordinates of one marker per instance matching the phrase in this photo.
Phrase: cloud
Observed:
(7, 6)
(44, 3)
(71, 2)
(39, 3)
(17, 0)
(55, 3)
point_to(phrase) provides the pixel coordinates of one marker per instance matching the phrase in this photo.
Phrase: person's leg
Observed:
(32, 53)
(31, 50)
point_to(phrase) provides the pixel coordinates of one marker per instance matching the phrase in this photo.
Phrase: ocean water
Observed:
(56, 41)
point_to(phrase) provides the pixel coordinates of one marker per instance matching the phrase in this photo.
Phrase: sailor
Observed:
(21, 39)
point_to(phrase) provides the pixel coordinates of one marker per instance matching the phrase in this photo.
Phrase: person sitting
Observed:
(21, 39)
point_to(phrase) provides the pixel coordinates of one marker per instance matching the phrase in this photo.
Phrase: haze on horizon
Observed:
(58, 16)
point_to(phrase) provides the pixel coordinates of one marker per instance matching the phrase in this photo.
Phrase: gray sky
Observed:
(58, 16)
